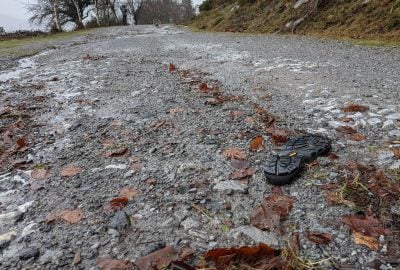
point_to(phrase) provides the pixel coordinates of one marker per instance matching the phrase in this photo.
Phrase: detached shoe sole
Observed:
(308, 146)
(281, 169)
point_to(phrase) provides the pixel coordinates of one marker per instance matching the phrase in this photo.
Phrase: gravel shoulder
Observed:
(104, 113)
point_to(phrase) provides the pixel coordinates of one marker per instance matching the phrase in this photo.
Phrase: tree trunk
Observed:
(96, 4)
(78, 12)
(56, 15)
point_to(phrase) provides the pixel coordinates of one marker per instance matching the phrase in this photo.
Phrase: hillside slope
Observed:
(332, 18)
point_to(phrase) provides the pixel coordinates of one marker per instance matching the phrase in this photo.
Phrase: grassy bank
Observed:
(16, 48)
(373, 22)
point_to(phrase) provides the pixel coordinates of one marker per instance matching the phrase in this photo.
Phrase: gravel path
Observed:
(105, 113)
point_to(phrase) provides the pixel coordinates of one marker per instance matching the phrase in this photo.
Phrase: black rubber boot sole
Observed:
(308, 146)
(282, 169)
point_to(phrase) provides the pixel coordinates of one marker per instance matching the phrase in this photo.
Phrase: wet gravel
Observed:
(115, 85)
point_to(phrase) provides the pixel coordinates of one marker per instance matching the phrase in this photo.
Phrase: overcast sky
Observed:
(14, 16)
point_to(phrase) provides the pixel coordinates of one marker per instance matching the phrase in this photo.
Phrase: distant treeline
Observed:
(58, 15)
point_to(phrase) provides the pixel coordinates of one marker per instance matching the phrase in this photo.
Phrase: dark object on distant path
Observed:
(124, 12)
(282, 168)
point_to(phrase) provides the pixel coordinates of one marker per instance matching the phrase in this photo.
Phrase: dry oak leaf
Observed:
(129, 193)
(112, 264)
(116, 204)
(367, 225)
(40, 174)
(257, 143)
(116, 152)
(361, 239)
(346, 130)
(70, 170)
(234, 153)
(354, 108)
(271, 211)
(70, 216)
(171, 67)
(319, 238)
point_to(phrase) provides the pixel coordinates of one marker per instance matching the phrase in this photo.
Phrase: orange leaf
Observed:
(171, 67)
(40, 174)
(70, 170)
(257, 143)
(354, 108)
(368, 241)
(128, 192)
(116, 204)
(234, 153)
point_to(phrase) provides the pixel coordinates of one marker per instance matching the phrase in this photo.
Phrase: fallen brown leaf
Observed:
(346, 130)
(239, 164)
(112, 264)
(278, 135)
(396, 152)
(21, 142)
(70, 170)
(116, 152)
(356, 137)
(319, 238)
(171, 67)
(129, 193)
(252, 257)
(346, 119)
(40, 174)
(361, 239)
(116, 204)
(243, 173)
(257, 143)
(70, 216)
(176, 110)
(271, 211)
(264, 115)
(157, 259)
(107, 142)
(367, 225)
(234, 153)
(354, 108)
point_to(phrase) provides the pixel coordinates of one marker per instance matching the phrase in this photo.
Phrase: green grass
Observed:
(22, 47)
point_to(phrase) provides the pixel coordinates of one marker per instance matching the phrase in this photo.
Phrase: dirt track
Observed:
(106, 113)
